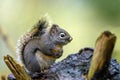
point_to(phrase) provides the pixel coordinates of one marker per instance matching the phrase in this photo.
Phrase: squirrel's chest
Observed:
(44, 61)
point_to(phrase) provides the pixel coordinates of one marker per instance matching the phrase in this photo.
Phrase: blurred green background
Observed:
(83, 19)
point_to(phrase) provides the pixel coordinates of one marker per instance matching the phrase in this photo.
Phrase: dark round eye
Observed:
(62, 35)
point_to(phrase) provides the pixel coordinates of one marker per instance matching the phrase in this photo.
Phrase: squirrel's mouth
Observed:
(68, 40)
(65, 41)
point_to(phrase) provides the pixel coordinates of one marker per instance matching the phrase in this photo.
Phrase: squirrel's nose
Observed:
(70, 39)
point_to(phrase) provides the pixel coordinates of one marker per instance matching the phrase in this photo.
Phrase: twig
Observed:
(5, 37)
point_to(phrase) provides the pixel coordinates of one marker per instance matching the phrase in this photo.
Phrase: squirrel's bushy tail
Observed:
(43, 23)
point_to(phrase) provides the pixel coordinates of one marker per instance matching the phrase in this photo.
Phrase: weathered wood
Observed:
(3, 77)
(18, 71)
(102, 54)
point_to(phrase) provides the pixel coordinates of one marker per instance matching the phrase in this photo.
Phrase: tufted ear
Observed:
(43, 23)
(54, 29)
(40, 27)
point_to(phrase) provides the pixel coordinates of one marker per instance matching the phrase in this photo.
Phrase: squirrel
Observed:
(41, 46)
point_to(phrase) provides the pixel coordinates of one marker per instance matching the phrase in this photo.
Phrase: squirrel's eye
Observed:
(62, 35)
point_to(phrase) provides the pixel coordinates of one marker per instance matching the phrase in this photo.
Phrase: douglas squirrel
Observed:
(41, 46)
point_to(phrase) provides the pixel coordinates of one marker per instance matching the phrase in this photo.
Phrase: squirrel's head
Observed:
(55, 33)
(59, 35)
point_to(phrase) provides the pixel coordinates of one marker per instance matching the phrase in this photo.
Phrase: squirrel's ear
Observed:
(43, 23)
(54, 29)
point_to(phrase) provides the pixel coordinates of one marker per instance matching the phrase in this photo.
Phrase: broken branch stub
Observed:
(102, 54)
(18, 71)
